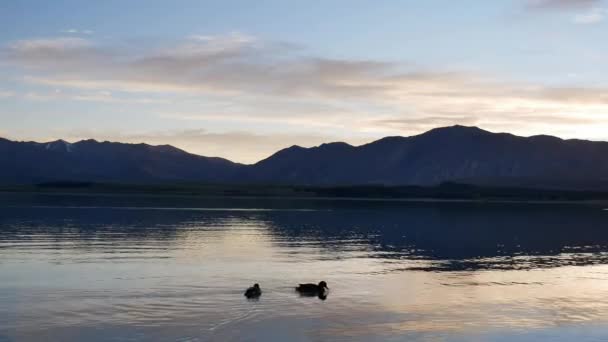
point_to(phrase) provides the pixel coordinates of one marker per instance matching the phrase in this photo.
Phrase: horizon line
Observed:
(455, 126)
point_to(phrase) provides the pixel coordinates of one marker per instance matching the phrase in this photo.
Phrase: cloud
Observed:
(239, 65)
(562, 4)
(422, 123)
(229, 65)
(244, 118)
(593, 16)
(85, 96)
(61, 55)
(5, 93)
(587, 11)
(240, 80)
(76, 31)
(54, 44)
(429, 122)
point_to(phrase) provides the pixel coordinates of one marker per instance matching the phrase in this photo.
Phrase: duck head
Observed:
(323, 285)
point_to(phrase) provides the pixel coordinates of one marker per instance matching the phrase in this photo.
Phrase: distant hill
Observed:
(90, 160)
(457, 153)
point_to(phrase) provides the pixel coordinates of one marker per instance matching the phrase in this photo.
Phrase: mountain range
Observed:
(456, 154)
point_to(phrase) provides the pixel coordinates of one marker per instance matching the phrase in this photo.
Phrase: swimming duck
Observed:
(320, 289)
(254, 291)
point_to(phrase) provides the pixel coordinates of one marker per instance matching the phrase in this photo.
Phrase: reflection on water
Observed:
(144, 268)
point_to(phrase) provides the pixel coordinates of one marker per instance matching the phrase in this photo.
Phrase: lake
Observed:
(145, 268)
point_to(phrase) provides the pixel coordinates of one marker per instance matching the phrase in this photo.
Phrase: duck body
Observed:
(313, 289)
(253, 292)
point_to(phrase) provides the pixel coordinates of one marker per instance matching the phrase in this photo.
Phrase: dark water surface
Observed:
(142, 268)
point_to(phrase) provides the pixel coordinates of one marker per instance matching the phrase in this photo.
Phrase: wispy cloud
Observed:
(585, 11)
(84, 96)
(496, 123)
(77, 31)
(562, 4)
(228, 64)
(66, 44)
(593, 16)
(277, 83)
(233, 65)
(423, 123)
(5, 93)
(60, 55)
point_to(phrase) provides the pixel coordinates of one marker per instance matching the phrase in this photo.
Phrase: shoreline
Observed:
(430, 200)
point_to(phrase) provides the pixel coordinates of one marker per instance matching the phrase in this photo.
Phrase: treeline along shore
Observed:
(448, 191)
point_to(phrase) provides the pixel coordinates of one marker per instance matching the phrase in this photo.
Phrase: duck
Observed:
(253, 292)
(320, 289)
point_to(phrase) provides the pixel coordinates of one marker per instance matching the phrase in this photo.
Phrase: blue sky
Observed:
(242, 79)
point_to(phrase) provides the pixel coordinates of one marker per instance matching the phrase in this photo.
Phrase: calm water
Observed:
(153, 269)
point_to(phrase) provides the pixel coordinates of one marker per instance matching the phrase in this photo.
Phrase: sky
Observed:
(243, 79)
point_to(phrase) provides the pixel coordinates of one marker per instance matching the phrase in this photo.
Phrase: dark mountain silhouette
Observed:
(89, 160)
(457, 153)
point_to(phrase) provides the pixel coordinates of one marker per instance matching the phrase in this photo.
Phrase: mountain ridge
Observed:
(455, 153)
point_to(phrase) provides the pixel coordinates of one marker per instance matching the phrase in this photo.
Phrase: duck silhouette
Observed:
(253, 292)
(313, 290)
